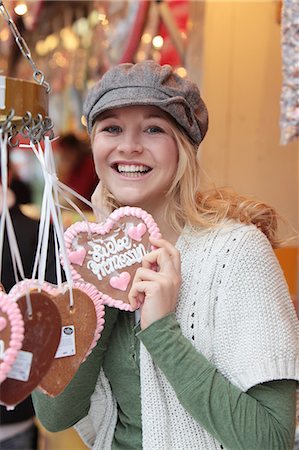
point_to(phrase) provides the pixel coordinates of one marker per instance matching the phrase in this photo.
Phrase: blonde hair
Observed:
(188, 205)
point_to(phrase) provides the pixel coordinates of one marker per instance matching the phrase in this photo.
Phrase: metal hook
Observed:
(12, 134)
(36, 131)
(48, 126)
(26, 124)
(39, 77)
(6, 125)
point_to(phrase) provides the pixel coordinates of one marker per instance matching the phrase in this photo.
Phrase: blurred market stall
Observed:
(75, 42)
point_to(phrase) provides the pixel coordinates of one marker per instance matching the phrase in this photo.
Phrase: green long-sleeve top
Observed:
(263, 418)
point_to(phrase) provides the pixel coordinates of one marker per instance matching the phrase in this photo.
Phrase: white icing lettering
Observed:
(115, 262)
(113, 254)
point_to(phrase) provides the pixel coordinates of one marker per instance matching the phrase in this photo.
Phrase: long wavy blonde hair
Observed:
(188, 205)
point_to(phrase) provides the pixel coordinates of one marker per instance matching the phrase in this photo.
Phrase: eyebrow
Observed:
(155, 116)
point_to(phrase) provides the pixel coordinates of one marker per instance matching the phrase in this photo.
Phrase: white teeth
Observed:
(132, 169)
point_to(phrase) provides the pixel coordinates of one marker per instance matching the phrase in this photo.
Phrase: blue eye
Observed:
(154, 130)
(113, 129)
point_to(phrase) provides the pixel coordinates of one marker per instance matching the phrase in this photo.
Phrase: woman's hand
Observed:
(157, 290)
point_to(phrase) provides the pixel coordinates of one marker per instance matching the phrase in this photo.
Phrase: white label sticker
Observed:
(67, 345)
(21, 369)
(2, 349)
(2, 91)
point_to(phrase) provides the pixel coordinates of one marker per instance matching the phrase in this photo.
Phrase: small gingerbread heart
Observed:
(121, 281)
(78, 256)
(137, 232)
(82, 325)
(41, 339)
(11, 333)
(112, 251)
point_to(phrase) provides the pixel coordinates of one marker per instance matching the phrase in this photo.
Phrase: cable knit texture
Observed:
(97, 428)
(234, 307)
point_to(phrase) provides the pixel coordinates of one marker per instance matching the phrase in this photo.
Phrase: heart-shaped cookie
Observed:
(41, 339)
(108, 254)
(11, 333)
(121, 281)
(81, 328)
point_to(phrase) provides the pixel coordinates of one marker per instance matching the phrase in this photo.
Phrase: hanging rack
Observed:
(24, 104)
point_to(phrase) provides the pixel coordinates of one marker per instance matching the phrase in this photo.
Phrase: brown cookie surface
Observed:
(42, 336)
(78, 330)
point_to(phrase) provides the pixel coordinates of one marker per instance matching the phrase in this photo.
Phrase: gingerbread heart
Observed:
(81, 328)
(41, 339)
(108, 254)
(11, 333)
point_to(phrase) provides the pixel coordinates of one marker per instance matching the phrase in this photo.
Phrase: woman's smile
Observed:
(131, 170)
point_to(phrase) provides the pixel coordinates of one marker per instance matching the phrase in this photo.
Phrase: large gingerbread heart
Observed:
(82, 325)
(11, 333)
(41, 339)
(108, 254)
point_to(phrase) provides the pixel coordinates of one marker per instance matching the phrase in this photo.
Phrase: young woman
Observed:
(213, 362)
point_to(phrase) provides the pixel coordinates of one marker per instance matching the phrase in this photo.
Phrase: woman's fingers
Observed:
(164, 253)
(162, 243)
(138, 289)
(144, 274)
(136, 298)
(159, 258)
(156, 284)
(138, 293)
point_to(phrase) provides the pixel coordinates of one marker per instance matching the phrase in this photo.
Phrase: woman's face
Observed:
(135, 155)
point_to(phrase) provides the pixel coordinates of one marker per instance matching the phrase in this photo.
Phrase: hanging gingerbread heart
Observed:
(82, 325)
(41, 338)
(11, 333)
(108, 254)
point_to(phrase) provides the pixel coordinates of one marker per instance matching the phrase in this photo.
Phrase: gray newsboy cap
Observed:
(149, 83)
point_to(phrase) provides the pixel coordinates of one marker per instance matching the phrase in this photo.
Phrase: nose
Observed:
(130, 144)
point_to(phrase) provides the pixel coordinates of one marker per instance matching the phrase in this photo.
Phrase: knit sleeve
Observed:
(256, 331)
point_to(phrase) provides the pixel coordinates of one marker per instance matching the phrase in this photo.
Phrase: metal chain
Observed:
(38, 75)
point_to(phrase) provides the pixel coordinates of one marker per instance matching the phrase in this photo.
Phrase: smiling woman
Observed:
(213, 361)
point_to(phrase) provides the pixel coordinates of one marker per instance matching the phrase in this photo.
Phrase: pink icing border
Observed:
(103, 228)
(51, 289)
(10, 307)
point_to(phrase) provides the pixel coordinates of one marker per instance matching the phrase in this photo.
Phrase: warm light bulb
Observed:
(158, 42)
(102, 17)
(41, 48)
(140, 56)
(181, 71)
(21, 9)
(4, 35)
(146, 38)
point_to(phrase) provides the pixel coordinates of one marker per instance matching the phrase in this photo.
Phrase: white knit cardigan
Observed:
(235, 308)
